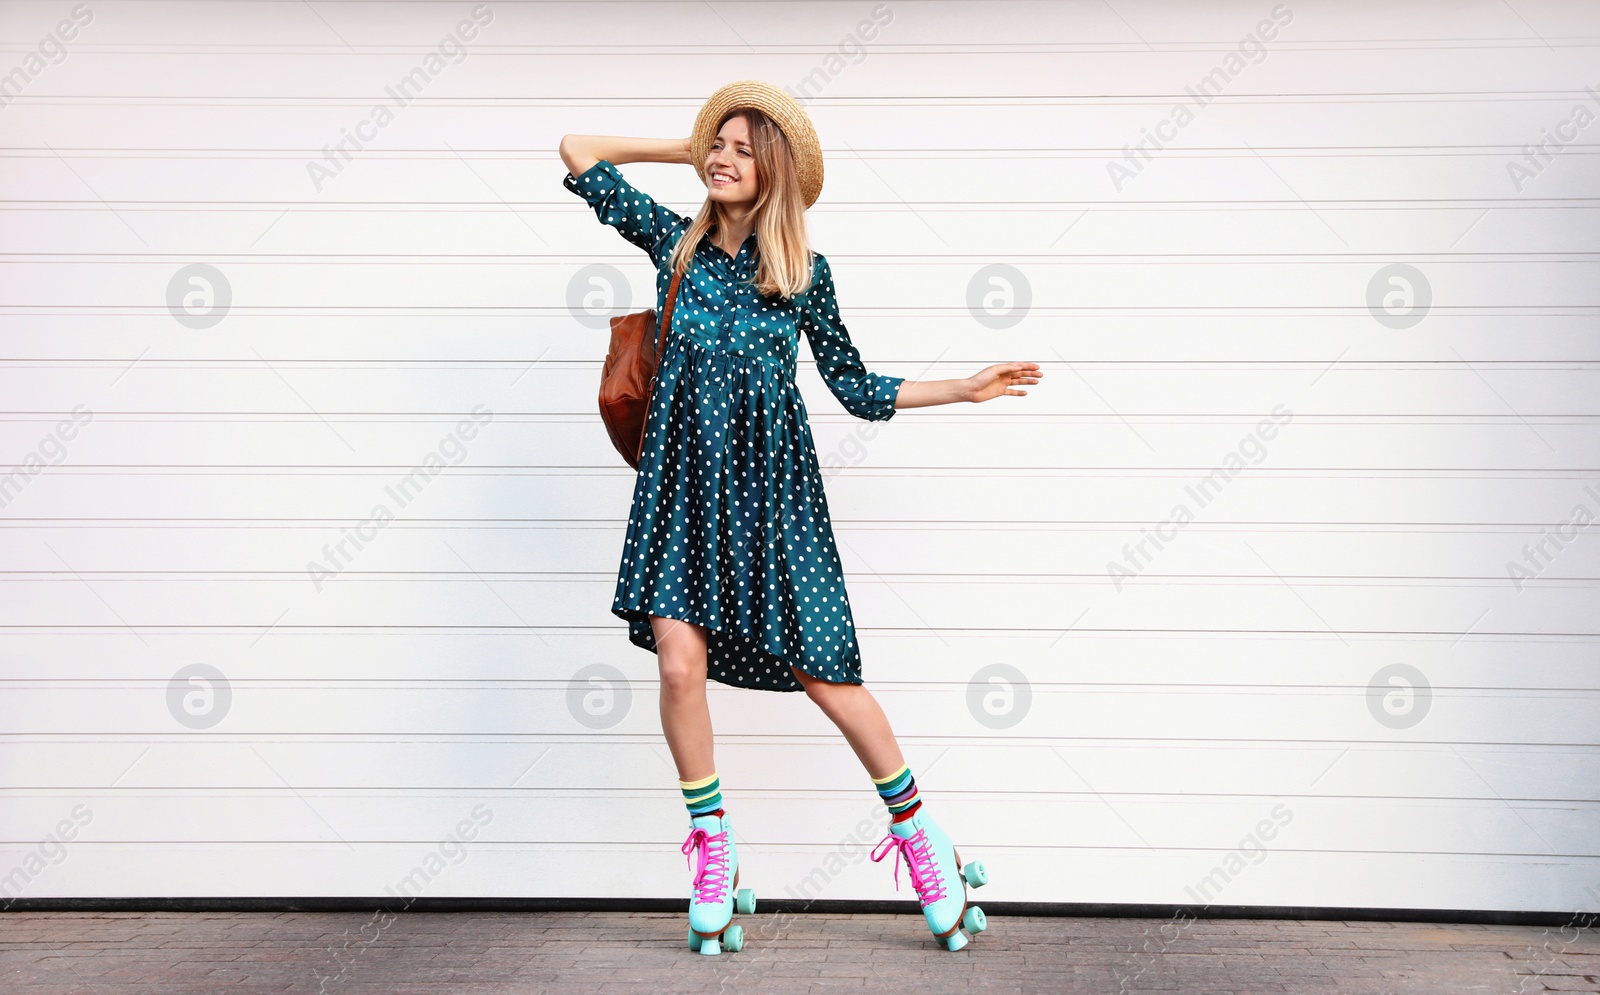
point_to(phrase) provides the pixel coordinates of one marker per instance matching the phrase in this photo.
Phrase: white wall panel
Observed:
(1235, 682)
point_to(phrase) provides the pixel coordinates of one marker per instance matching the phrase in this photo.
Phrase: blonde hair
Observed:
(785, 258)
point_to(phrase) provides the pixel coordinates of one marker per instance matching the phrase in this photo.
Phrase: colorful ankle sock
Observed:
(703, 796)
(899, 792)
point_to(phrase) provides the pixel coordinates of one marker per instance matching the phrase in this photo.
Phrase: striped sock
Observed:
(703, 796)
(899, 792)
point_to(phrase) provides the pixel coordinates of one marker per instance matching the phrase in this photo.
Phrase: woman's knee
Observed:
(822, 692)
(680, 654)
(680, 673)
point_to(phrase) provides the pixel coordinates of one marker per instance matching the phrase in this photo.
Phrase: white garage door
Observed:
(1280, 589)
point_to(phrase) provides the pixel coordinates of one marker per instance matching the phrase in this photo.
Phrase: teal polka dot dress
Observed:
(729, 526)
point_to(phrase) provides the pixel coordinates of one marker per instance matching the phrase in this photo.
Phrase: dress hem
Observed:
(645, 639)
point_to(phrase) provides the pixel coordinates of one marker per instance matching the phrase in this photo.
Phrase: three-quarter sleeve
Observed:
(618, 203)
(866, 395)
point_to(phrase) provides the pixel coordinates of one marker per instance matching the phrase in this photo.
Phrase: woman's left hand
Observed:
(1002, 378)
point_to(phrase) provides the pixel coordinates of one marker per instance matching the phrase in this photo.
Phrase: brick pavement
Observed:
(594, 953)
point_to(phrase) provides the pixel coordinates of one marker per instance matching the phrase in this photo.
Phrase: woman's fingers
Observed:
(1024, 372)
(1006, 376)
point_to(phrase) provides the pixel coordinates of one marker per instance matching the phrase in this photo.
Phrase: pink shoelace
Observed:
(711, 875)
(918, 851)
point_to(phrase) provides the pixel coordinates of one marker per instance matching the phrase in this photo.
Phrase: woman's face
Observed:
(731, 165)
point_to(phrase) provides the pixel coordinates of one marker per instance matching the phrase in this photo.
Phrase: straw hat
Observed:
(790, 117)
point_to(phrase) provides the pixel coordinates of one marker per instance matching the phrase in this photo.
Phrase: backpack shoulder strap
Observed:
(666, 315)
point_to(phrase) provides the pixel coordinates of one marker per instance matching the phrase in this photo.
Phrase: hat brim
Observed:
(784, 110)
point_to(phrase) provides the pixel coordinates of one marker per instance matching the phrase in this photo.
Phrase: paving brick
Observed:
(599, 953)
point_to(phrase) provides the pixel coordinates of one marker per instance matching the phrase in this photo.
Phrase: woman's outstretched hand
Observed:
(1002, 378)
(991, 381)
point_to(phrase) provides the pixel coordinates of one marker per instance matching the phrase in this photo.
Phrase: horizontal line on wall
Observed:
(1462, 691)
(918, 153)
(612, 525)
(269, 316)
(788, 906)
(920, 472)
(608, 525)
(940, 101)
(477, 365)
(561, 209)
(1012, 418)
(1081, 47)
(897, 524)
(830, 740)
(345, 312)
(1121, 258)
(1146, 578)
(1012, 631)
(1495, 752)
(651, 794)
(656, 846)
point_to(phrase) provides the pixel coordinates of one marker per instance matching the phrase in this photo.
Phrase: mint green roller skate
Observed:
(939, 877)
(716, 877)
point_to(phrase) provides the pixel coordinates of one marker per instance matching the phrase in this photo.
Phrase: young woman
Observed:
(730, 569)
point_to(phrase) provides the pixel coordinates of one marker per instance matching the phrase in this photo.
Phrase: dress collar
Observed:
(748, 243)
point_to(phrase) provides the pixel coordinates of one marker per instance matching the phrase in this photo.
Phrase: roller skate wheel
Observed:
(710, 946)
(956, 941)
(974, 874)
(975, 920)
(744, 903)
(694, 940)
(733, 938)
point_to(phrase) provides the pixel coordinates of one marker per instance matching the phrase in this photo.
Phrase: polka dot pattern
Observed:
(729, 526)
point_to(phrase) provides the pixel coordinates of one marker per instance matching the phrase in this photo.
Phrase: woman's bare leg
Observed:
(685, 715)
(859, 716)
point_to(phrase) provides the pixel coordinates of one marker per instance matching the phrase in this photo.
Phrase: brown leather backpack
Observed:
(628, 378)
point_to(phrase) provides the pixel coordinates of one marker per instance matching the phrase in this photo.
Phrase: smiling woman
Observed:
(730, 570)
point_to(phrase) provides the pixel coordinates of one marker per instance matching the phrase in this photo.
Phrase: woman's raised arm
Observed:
(580, 152)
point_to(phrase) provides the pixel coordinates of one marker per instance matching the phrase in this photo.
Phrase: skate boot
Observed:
(938, 876)
(711, 852)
